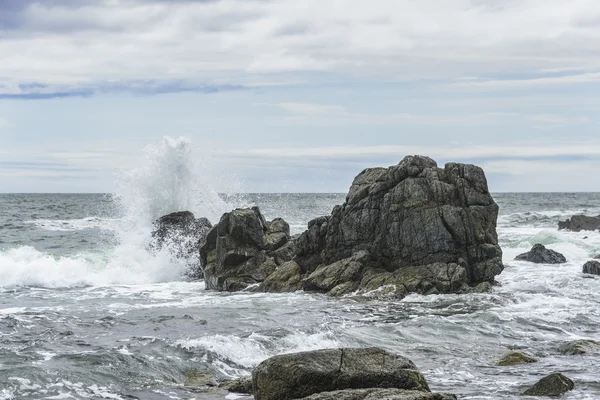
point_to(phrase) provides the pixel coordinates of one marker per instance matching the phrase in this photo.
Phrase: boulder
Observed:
(180, 232)
(379, 394)
(591, 267)
(294, 376)
(539, 254)
(515, 358)
(579, 223)
(237, 252)
(414, 220)
(286, 278)
(578, 347)
(552, 385)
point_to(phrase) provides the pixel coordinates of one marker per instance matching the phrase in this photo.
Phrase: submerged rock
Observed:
(591, 267)
(579, 223)
(552, 385)
(379, 394)
(181, 232)
(294, 376)
(515, 358)
(539, 254)
(578, 347)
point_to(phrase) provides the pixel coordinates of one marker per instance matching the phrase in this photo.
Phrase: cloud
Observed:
(245, 43)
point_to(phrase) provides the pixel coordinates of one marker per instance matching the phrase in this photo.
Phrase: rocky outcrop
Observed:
(298, 375)
(180, 232)
(552, 385)
(539, 254)
(579, 223)
(591, 267)
(515, 358)
(578, 347)
(240, 250)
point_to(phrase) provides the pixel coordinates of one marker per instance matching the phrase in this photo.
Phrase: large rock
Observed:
(237, 251)
(294, 376)
(552, 385)
(579, 223)
(413, 220)
(591, 267)
(180, 232)
(539, 254)
(379, 394)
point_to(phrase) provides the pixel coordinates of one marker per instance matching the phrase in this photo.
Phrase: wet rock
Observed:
(515, 358)
(379, 394)
(238, 253)
(591, 267)
(181, 232)
(552, 385)
(241, 385)
(293, 376)
(286, 278)
(200, 378)
(407, 217)
(579, 223)
(539, 254)
(578, 347)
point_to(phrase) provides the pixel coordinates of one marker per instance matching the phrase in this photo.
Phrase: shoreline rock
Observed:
(578, 223)
(592, 267)
(515, 358)
(552, 385)
(539, 254)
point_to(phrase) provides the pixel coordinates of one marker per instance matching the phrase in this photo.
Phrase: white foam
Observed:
(66, 225)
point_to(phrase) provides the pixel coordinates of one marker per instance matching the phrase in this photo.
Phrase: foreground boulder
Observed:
(294, 376)
(539, 254)
(180, 232)
(579, 223)
(591, 267)
(412, 227)
(552, 385)
(239, 250)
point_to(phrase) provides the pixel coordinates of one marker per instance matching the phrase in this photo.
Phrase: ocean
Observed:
(87, 312)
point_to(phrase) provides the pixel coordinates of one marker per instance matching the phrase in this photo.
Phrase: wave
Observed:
(68, 225)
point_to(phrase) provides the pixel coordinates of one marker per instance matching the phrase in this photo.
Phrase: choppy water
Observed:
(87, 312)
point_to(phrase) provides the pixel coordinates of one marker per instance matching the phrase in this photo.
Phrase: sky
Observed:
(299, 95)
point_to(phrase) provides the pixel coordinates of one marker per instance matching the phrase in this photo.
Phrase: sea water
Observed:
(87, 312)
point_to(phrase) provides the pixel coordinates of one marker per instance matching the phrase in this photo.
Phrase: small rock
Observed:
(578, 347)
(552, 385)
(199, 378)
(539, 254)
(591, 267)
(515, 358)
(241, 385)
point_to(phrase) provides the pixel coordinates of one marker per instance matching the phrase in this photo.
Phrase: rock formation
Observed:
(579, 223)
(552, 385)
(298, 375)
(515, 358)
(591, 267)
(581, 346)
(180, 232)
(539, 254)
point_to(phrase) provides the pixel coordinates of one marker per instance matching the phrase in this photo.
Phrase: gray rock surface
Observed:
(515, 358)
(591, 267)
(241, 385)
(379, 394)
(552, 385)
(180, 232)
(411, 217)
(579, 223)
(539, 254)
(578, 347)
(237, 251)
(293, 376)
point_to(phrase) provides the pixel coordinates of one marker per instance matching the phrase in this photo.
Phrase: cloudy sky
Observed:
(299, 95)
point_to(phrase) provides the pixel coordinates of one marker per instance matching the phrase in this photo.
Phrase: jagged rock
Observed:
(181, 232)
(579, 223)
(379, 394)
(552, 385)
(539, 254)
(413, 217)
(293, 376)
(241, 385)
(515, 358)
(591, 267)
(286, 278)
(237, 253)
(578, 347)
